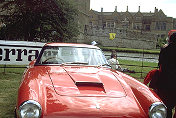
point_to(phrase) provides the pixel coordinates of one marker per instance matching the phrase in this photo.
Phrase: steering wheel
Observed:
(53, 58)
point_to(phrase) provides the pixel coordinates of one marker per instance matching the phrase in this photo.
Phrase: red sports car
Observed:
(75, 81)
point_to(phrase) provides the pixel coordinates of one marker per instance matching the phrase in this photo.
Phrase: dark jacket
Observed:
(167, 62)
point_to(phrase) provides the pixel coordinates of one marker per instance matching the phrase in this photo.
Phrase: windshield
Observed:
(71, 55)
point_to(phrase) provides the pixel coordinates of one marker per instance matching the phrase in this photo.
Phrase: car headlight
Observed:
(157, 110)
(30, 109)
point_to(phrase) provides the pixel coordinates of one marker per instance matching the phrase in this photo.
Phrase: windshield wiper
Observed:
(82, 63)
(104, 65)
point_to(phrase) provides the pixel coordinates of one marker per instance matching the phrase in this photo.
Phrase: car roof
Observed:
(71, 45)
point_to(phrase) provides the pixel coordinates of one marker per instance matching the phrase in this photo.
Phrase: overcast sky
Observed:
(168, 6)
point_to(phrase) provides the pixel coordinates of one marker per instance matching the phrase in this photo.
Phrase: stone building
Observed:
(131, 28)
(83, 7)
(155, 22)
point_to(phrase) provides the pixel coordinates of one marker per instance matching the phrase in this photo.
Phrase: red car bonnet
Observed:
(85, 81)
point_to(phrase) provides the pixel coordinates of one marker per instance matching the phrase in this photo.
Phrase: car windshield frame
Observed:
(103, 62)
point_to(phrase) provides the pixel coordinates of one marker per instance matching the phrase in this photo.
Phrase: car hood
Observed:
(85, 81)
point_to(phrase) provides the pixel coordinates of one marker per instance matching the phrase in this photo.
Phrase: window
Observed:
(110, 24)
(147, 27)
(138, 18)
(160, 26)
(104, 24)
(138, 26)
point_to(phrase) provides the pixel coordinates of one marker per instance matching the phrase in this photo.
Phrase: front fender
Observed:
(33, 86)
(144, 95)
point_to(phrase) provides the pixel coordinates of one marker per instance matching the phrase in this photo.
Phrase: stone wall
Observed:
(124, 38)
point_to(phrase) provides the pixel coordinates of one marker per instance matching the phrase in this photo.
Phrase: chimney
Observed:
(102, 9)
(156, 10)
(139, 9)
(127, 8)
(116, 8)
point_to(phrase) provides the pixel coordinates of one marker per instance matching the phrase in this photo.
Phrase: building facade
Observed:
(155, 22)
(144, 28)
(83, 7)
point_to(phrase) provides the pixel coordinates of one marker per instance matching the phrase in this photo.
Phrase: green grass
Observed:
(156, 51)
(140, 71)
(9, 82)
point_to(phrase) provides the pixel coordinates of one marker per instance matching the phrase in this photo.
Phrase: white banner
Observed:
(19, 52)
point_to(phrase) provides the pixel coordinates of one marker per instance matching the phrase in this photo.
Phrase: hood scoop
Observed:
(84, 83)
(88, 84)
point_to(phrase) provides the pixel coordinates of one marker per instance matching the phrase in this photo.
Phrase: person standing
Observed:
(166, 84)
(114, 62)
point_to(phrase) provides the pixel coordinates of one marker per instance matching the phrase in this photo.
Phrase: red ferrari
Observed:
(75, 81)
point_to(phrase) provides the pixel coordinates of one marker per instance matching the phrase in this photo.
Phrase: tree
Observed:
(42, 19)
(161, 42)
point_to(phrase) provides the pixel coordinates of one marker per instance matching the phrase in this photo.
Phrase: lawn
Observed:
(10, 80)
(140, 68)
(156, 51)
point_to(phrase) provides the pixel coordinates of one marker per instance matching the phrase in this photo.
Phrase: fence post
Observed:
(4, 68)
(142, 62)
